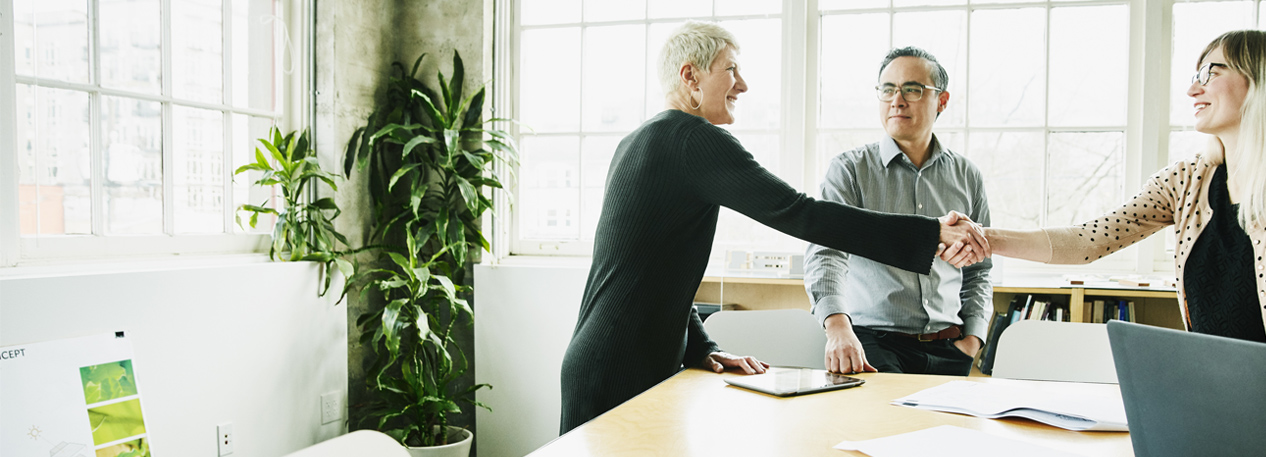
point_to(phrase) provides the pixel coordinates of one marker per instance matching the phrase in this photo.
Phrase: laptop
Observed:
(790, 381)
(1189, 394)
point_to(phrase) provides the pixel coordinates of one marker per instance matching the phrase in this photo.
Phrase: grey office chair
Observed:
(783, 337)
(1055, 351)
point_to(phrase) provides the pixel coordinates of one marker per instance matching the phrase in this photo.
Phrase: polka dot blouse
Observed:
(1177, 196)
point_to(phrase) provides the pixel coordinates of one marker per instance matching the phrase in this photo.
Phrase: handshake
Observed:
(963, 242)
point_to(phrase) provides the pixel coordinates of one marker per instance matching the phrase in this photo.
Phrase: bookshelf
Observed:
(1153, 305)
(752, 290)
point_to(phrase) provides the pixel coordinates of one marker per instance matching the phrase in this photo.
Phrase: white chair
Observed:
(1055, 351)
(783, 337)
(367, 443)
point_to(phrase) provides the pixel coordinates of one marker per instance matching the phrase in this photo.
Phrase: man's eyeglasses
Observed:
(1202, 75)
(911, 92)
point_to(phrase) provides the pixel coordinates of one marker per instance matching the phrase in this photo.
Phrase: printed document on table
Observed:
(948, 441)
(1079, 412)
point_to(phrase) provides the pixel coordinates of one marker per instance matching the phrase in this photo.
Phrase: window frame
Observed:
(294, 112)
(1145, 130)
(509, 29)
(1121, 262)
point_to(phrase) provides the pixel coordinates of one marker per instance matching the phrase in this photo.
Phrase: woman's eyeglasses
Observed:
(1202, 75)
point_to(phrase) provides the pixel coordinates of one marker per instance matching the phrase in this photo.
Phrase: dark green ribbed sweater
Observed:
(666, 184)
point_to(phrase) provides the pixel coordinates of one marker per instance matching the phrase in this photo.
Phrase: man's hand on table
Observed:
(844, 353)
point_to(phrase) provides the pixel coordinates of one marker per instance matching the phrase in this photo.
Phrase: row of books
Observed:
(1022, 307)
(1105, 310)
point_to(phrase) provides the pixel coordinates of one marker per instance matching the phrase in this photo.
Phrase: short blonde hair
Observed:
(696, 43)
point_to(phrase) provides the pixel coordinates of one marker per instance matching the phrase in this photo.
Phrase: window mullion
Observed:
(1046, 126)
(96, 145)
(580, 122)
(94, 42)
(10, 227)
(812, 21)
(169, 190)
(1147, 108)
(505, 85)
(795, 149)
(226, 172)
(114, 92)
(226, 157)
(966, 97)
(96, 151)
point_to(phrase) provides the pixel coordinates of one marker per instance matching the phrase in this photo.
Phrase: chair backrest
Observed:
(782, 337)
(366, 443)
(1055, 351)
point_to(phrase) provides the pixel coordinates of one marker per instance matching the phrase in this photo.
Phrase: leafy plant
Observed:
(426, 157)
(304, 230)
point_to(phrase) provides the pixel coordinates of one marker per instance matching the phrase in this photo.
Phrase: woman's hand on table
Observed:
(720, 361)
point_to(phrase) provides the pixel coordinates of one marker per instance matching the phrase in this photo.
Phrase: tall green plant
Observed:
(304, 229)
(425, 155)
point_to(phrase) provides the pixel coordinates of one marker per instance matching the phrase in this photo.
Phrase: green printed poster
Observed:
(138, 448)
(116, 421)
(76, 397)
(108, 381)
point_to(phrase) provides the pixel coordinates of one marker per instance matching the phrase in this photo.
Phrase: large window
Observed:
(1195, 24)
(587, 77)
(1045, 129)
(129, 117)
(1041, 97)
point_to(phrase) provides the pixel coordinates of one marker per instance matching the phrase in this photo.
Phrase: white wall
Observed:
(524, 317)
(248, 343)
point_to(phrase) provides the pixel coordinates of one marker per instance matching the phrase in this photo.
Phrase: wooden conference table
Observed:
(695, 413)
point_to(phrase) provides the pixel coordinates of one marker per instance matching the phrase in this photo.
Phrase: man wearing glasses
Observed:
(881, 318)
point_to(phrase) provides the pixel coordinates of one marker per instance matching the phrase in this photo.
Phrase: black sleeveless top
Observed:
(1220, 288)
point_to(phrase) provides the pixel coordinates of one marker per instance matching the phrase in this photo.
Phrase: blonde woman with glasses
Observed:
(1216, 201)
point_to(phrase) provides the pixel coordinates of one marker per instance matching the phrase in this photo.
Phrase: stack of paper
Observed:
(1079, 412)
(948, 441)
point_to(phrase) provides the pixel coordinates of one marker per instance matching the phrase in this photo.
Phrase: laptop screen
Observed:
(1189, 394)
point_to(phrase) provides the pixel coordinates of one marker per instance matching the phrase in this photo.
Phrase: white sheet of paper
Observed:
(993, 400)
(948, 441)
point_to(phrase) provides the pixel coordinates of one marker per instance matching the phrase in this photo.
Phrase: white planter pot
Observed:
(460, 448)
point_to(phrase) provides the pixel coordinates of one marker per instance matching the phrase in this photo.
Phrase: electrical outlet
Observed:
(331, 407)
(225, 438)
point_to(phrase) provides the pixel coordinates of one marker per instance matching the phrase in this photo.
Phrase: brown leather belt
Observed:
(952, 332)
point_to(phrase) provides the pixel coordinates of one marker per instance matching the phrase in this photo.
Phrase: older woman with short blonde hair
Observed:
(667, 182)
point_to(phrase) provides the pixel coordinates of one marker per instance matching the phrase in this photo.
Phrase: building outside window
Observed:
(131, 115)
(1040, 97)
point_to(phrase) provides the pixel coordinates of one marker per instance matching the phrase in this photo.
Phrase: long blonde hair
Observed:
(1245, 52)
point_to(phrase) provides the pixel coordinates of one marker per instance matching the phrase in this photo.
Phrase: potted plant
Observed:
(426, 157)
(304, 229)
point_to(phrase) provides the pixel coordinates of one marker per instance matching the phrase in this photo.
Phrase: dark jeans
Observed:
(893, 353)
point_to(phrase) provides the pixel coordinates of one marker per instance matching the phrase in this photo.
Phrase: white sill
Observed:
(114, 266)
(538, 261)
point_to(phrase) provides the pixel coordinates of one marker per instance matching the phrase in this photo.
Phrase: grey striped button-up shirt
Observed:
(881, 178)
